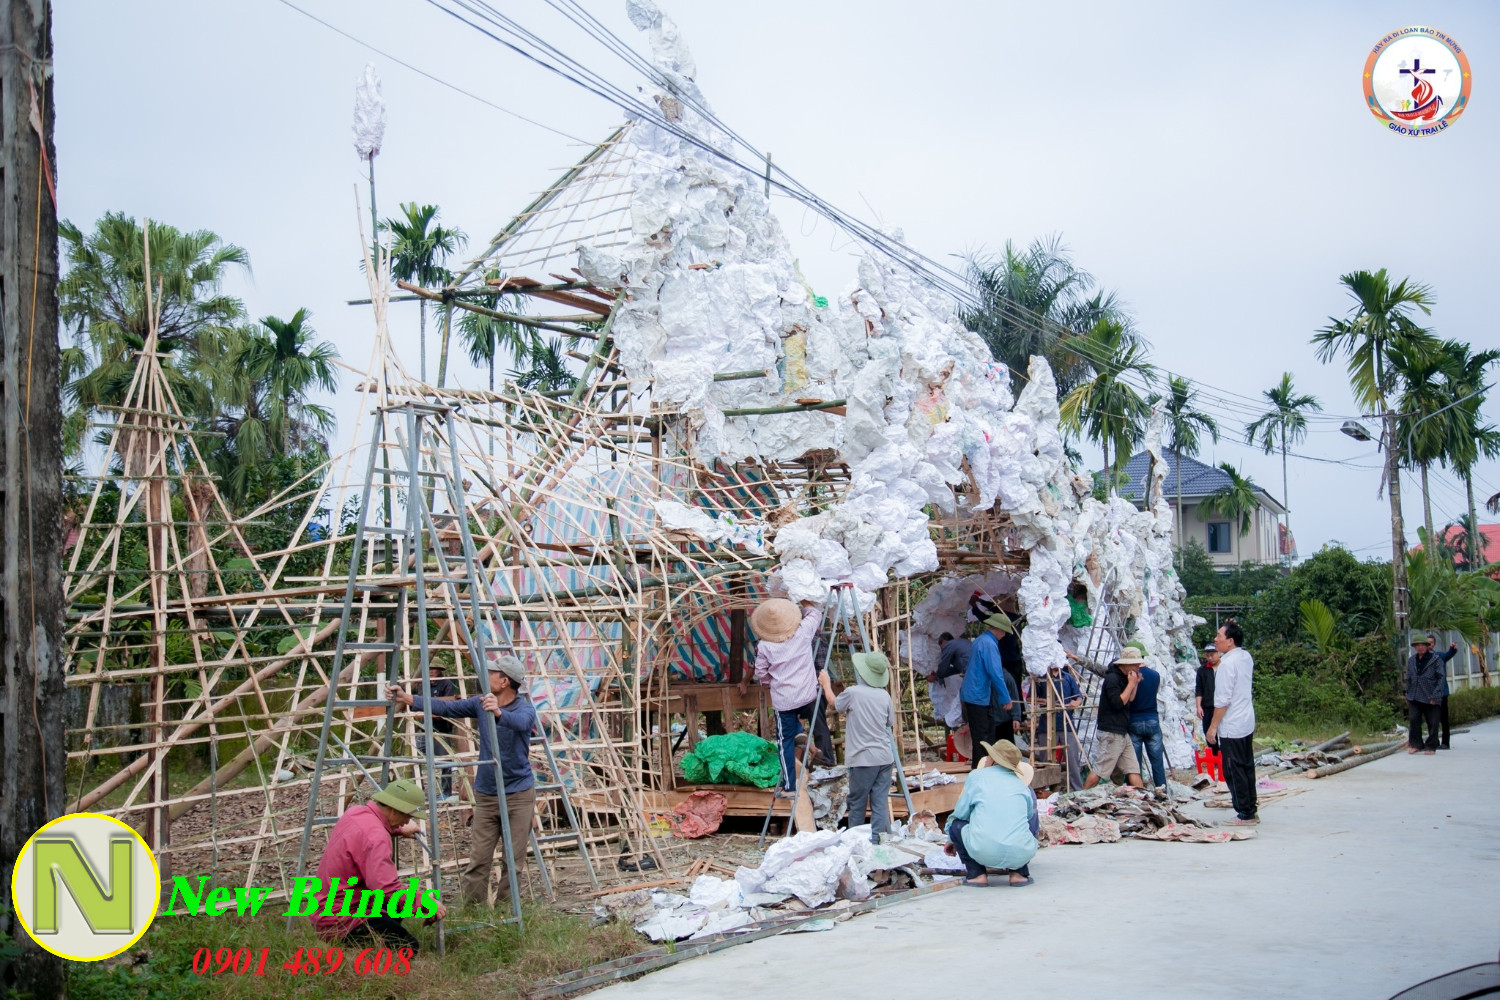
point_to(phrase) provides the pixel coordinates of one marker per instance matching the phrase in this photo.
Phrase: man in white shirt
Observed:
(1233, 723)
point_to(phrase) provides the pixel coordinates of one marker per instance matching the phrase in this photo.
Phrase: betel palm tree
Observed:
(1426, 425)
(1285, 423)
(1383, 316)
(102, 299)
(1185, 422)
(1108, 407)
(287, 363)
(484, 337)
(1473, 440)
(420, 247)
(262, 377)
(1236, 500)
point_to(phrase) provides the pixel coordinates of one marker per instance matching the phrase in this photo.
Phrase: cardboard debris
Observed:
(1105, 815)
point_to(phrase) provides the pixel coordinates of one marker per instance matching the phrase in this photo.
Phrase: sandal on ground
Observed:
(982, 885)
(1018, 885)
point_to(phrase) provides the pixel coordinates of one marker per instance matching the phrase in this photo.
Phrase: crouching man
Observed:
(357, 870)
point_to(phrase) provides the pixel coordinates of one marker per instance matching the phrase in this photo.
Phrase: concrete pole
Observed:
(32, 753)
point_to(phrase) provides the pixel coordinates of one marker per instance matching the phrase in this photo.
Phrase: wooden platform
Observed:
(753, 802)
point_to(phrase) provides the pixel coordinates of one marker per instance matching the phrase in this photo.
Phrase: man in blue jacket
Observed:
(515, 717)
(986, 698)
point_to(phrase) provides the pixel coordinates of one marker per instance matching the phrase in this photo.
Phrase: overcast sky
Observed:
(1214, 164)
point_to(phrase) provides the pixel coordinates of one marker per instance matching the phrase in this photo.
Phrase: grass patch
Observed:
(1472, 705)
(160, 967)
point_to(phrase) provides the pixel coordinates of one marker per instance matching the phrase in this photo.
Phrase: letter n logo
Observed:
(58, 863)
(85, 887)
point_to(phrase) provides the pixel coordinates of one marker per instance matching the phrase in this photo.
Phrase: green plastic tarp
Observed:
(733, 759)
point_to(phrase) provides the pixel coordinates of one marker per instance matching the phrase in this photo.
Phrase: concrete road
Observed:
(1364, 884)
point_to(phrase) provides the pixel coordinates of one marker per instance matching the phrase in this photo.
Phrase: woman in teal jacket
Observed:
(994, 823)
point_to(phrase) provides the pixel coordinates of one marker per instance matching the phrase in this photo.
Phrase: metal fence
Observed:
(1464, 670)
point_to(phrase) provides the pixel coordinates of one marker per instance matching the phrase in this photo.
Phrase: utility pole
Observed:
(32, 752)
(1399, 593)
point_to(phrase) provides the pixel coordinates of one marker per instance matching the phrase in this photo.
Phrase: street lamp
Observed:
(1357, 430)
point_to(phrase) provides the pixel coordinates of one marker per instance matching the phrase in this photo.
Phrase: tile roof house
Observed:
(1263, 543)
(1489, 545)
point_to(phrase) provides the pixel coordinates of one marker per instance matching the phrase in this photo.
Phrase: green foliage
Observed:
(1106, 406)
(483, 960)
(1442, 598)
(1237, 501)
(1473, 705)
(1357, 593)
(1322, 627)
(1033, 301)
(1355, 688)
(1201, 578)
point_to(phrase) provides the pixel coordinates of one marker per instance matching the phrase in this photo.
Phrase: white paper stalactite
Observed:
(711, 286)
(369, 114)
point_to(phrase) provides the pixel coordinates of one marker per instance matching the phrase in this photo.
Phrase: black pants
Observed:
(985, 726)
(1419, 712)
(1443, 721)
(973, 869)
(380, 932)
(1239, 773)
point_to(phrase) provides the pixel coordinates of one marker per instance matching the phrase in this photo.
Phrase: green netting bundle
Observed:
(733, 759)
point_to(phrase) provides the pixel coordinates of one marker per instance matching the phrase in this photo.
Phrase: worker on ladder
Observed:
(515, 717)
(784, 662)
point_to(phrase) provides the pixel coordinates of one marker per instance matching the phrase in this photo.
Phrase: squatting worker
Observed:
(1204, 690)
(987, 700)
(995, 821)
(1114, 753)
(1426, 684)
(1234, 721)
(869, 727)
(359, 848)
(784, 663)
(515, 717)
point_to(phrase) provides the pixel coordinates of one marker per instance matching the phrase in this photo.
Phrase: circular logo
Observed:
(85, 887)
(1417, 80)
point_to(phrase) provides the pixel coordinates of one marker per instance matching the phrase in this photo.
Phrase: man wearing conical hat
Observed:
(994, 822)
(784, 663)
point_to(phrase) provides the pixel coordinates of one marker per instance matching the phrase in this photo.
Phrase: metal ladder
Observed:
(1109, 625)
(843, 610)
(421, 485)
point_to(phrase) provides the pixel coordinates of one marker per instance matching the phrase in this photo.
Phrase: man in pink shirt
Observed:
(784, 663)
(357, 865)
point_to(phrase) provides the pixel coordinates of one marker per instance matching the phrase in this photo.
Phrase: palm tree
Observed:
(1471, 441)
(1236, 500)
(261, 377)
(1425, 424)
(1030, 302)
(1184, 424)
(1284, 423)
(287, 363)
(419, 248)
(548, 371)
(102, 298)
(1110, 410)
(1381, 317)
(484, 336)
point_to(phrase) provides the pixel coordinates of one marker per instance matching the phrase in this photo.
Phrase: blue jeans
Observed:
(973, 869)
(789, 727)
(1146, 729)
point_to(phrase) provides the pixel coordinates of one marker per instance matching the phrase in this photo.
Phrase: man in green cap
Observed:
(869, 722)
(356, 867)
(1426, 683)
